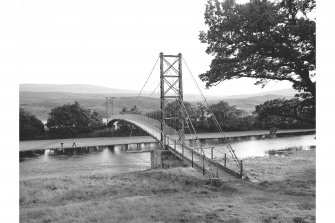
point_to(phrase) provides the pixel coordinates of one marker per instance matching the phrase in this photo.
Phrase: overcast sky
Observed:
(115, 43)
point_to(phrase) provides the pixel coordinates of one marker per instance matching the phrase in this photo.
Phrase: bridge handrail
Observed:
(199, 167)
(212, 162)
(146, 120)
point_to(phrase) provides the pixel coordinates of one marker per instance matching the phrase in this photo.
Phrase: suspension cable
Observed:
(154, 89)
(188, 119)
(231, 150)
(146, 81)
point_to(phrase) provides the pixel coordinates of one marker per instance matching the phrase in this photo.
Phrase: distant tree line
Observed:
(72, 120)
(67, 121)
(274, 113)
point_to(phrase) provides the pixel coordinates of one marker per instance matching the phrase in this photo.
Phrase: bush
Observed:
(30, 126)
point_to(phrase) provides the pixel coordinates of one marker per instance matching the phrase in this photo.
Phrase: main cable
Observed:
(146, 81)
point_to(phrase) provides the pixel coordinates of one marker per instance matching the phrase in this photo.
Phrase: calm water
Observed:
(112, 160)
(265, 147)
(116, 159)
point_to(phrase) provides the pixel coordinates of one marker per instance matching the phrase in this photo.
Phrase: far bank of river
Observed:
(106, 141)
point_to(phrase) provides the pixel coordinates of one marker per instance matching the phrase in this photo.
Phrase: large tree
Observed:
(30, 126)
(262, 40)
(71, 119)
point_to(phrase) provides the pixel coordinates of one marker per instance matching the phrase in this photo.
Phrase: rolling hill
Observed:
(248, 104)
(40, 99)
(41, 103)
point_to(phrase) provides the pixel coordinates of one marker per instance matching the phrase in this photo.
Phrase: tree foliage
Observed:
(229, 117)
(262, 40)
(201, 116)
(71, 119)
(172, 111)
(133, 110)
(30, 126)
(96, 120)
(226, 115)
(283, 113)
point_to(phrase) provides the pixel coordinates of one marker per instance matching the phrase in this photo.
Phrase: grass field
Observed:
(286, 194)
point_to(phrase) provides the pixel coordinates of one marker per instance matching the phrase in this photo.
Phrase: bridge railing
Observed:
(184, 153)
(223, 157)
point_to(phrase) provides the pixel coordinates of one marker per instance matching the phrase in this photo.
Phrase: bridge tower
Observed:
(171, 89)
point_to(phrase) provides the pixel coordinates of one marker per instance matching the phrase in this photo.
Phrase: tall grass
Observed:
(169, 195)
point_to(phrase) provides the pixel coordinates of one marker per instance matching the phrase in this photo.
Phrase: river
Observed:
(116, 159)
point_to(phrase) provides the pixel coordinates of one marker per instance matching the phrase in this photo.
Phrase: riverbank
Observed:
(108, 141)
(286, 193)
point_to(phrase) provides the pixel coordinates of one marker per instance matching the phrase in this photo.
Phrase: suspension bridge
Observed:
(166, 123)
(173, 138)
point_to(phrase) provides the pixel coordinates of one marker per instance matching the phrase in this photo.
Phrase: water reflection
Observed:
(113, 159)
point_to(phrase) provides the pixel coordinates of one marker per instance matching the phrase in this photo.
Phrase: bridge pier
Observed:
(165, 159)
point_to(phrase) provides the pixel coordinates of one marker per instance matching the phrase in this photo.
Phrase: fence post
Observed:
(192, 156)
(182, 149)
(203, 164)
(241, 173)
(212, 152)
(217, 172)
(225, 159)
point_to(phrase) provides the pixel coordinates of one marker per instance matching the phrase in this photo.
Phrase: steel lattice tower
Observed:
(171, 88)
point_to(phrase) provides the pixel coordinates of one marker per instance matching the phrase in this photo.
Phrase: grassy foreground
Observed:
(286, 194)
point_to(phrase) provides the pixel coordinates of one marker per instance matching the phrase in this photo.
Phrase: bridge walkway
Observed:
(191, 156)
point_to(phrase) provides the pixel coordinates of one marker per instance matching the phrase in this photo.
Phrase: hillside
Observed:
(41, 103)
(248, 104)
(93, 90)
(40, 99)
(287, 93)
